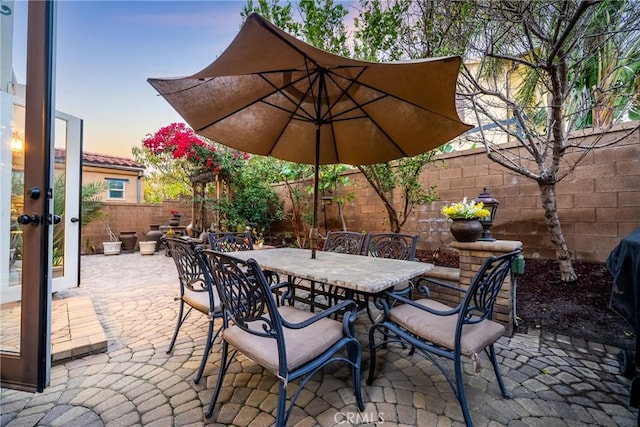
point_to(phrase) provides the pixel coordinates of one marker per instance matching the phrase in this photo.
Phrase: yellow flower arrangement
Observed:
(465, 210)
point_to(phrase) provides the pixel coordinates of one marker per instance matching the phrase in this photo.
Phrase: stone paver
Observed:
(553, 380)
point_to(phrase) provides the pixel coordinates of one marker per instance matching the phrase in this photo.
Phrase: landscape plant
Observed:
(90, 210)
(321, 24)
(535, 72)
(174, 154)
(465, 210)
(545, 70)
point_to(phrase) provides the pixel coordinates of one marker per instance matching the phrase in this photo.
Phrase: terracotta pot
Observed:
(466, 230)
(174, 221)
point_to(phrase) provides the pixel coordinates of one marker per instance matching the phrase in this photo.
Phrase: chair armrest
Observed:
(287, 294)
(439, 283)
(400, 298)
(347, 304)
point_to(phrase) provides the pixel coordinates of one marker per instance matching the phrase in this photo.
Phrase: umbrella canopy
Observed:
(271, 94)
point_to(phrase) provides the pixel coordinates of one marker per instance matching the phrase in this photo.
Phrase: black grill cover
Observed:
(624, 265)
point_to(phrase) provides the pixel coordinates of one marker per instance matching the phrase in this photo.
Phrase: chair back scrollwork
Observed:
(187, 263)
(391, 245)
(230, 242)
(245, 294)
(485, 286)
(346, 242)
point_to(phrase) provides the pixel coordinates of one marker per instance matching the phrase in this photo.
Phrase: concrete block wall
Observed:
(130, 217)
(598, 202)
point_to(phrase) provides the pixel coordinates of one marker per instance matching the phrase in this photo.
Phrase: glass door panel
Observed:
(12, 155)
(26, 93)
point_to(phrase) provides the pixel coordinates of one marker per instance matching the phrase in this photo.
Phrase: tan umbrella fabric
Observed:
(274, 95)
(268, 90)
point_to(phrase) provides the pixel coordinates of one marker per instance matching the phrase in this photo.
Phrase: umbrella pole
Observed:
(313, 235)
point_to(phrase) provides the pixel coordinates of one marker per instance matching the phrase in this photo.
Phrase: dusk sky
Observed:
(106, 50)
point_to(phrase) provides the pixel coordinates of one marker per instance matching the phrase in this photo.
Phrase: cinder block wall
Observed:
(130, 217)
(598, 203)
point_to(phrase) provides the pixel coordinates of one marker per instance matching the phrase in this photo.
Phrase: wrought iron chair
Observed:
(346, 242)
(196, 291)
(230, 242)
(435, 329)
(391, 245)
(289, 342)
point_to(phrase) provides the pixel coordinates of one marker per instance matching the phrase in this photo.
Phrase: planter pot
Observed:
(147, 247)
(154, 235)
(128, 239)
(111, 248)
(174, 221)
(466, 230)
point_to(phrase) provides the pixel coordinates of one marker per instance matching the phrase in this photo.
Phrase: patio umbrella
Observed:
(271, 94)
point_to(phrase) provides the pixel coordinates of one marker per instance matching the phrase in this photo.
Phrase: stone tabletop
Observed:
(359, 273)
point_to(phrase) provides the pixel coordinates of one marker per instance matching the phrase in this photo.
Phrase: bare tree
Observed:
(545, 69)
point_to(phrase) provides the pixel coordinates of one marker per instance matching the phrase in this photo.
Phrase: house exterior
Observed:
(122, 176)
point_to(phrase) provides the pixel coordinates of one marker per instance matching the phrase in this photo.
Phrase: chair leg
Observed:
(281, 418)
(312, 296)
(179, 323)
(207, 350)
(354, 352)
(496, 369)
(460, 394)
(372, 352)
(223, 371)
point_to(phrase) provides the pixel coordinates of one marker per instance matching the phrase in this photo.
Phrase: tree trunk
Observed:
(341, 216)
(548, 192)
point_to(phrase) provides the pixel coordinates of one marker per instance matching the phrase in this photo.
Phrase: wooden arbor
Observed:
(208, 186)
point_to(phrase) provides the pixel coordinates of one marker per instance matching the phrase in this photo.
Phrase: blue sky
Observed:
(107, 49)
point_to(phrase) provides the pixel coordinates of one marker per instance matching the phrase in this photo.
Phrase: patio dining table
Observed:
(355, 274)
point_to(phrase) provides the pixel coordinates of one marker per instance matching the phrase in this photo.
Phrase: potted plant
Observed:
(465, 217)
(114, 245)
(174, 221)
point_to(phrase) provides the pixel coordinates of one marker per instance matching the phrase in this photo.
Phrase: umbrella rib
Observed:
(262, 99)
(281, 90)
(360, 107)
(297, 103)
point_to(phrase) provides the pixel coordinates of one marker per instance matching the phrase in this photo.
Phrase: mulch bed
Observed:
(579, 309)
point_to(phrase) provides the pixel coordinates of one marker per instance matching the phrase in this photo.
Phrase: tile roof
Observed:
(103, 160)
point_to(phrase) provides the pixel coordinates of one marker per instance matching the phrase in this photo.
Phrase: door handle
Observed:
(25, 219)
(55, 219)
(74, 219)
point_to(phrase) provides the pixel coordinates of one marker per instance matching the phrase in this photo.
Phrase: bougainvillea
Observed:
(178, 141)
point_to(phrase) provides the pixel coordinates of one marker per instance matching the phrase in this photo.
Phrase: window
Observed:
(116, 188)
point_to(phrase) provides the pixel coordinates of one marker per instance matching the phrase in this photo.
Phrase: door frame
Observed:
(29, 369)
(72, 202)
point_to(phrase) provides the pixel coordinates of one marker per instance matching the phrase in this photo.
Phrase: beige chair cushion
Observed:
(302, 345)
(441, 330)
(200, 300)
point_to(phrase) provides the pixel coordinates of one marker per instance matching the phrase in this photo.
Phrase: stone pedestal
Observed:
(472, 255)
